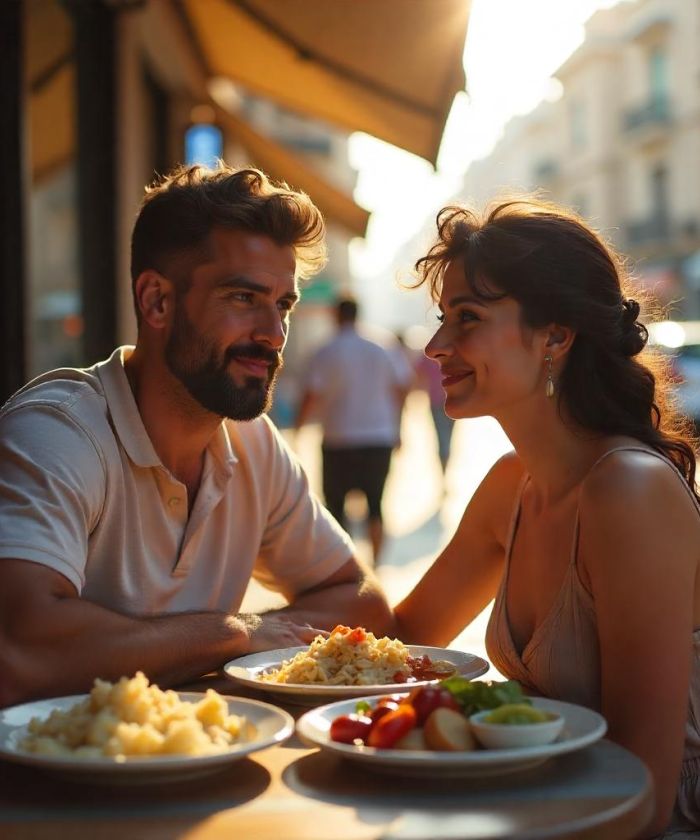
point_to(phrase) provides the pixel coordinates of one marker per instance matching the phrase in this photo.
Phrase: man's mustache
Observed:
(255, 351)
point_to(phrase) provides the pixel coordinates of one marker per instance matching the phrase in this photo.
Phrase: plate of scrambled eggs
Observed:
(350, 662)
(133, 732)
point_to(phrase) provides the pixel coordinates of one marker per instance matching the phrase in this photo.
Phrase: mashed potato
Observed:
(132, 718)
(347, 657)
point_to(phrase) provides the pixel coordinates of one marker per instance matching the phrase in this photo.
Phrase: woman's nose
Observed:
(437, 346)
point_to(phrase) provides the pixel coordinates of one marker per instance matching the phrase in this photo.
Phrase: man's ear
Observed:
(558, 340)
(154, 297)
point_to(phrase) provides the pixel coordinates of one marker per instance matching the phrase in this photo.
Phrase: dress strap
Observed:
(574, 547)
(514, 517)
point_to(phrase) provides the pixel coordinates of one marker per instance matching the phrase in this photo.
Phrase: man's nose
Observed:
(271, 328)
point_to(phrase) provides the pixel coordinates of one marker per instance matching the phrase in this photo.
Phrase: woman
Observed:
(588, 534)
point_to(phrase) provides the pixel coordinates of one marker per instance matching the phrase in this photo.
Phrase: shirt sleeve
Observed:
(52, 488)
(302, 543)
(402, 369)
(315, 379)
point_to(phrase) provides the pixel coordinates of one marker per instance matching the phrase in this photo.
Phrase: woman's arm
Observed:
(639, 547)
(465, 577)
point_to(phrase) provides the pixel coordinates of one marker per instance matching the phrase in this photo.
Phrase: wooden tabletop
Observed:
(290, 792)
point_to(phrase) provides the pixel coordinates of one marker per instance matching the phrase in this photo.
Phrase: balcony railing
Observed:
(656, 112)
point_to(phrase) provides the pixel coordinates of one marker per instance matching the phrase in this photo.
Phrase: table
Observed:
(291, 792)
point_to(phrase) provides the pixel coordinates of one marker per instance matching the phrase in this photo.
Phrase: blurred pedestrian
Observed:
(587, 535)
(356, 388)
(429, 378)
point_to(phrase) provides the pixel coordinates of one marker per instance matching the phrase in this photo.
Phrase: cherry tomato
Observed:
(427, 698)
(349, 728)
(391, 700)
(379, 711)
(392, 727)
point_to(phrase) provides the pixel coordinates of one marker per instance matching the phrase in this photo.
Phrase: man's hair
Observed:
(346, 309)
(180, 210)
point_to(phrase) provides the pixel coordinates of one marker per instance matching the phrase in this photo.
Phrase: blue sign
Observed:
(204, 144)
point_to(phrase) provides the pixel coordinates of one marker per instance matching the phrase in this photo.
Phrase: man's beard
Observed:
(196, 363)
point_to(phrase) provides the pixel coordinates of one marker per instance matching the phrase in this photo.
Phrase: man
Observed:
(132, 515)
(357, 389)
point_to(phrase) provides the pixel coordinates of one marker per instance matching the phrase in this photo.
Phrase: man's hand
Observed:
(274, 630)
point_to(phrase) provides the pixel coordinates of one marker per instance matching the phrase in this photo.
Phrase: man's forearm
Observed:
(65, 647)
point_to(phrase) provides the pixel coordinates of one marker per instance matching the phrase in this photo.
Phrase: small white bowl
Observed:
(505, 736)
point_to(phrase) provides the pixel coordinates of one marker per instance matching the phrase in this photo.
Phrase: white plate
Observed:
(246, 671)
(273, 726)
(581, 728)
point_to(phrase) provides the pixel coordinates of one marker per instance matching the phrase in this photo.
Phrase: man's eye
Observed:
(285, 306)
(441, 317)
(245, 297)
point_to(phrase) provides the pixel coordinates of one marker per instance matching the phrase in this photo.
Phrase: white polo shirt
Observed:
(356, 380)
(83, 492)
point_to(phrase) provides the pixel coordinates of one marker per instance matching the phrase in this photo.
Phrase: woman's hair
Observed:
(180, 210)
(561, 272)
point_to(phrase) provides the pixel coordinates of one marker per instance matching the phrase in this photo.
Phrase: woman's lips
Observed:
(454, 377)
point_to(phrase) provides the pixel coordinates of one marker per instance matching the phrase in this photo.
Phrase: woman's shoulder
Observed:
(629, 471)
(637, 486)
(507, 473)
(497, 495)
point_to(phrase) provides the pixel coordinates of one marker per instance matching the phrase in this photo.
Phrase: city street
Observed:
(420, 514)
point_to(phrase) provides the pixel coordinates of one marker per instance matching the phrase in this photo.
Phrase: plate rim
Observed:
(156, 764)
(452, 760)
(238, 671)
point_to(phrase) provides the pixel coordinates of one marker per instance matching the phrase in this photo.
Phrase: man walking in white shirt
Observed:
(356, 388)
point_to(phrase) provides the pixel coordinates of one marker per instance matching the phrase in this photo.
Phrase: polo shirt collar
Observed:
(123, 410)
(128, 424)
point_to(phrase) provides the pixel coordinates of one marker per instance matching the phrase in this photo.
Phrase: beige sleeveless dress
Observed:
(561, 660)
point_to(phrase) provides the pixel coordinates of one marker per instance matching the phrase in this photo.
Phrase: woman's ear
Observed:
(154, 294)
(558, 340)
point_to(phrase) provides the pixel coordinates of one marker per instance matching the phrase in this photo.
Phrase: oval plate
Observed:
(581, 728)
(273, 726)
(246, 671)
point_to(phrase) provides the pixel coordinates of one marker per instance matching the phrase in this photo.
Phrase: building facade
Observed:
(622, 143)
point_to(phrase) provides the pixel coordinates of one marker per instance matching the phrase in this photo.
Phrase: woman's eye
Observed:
(466, 315)
(463, 316)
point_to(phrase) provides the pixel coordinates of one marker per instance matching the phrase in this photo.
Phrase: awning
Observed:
(283, 165)
(51, 80)
(390, 68)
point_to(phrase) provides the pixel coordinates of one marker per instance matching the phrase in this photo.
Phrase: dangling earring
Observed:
(549, 385)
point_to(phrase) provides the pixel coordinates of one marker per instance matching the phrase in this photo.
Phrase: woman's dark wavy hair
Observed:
(560, 271)
(180, 210)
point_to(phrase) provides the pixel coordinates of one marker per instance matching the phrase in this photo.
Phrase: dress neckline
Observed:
(520, 656)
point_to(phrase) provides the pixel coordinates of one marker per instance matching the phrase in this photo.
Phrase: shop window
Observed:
(54, 306)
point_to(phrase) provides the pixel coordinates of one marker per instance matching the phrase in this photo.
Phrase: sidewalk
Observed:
(419, 517)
